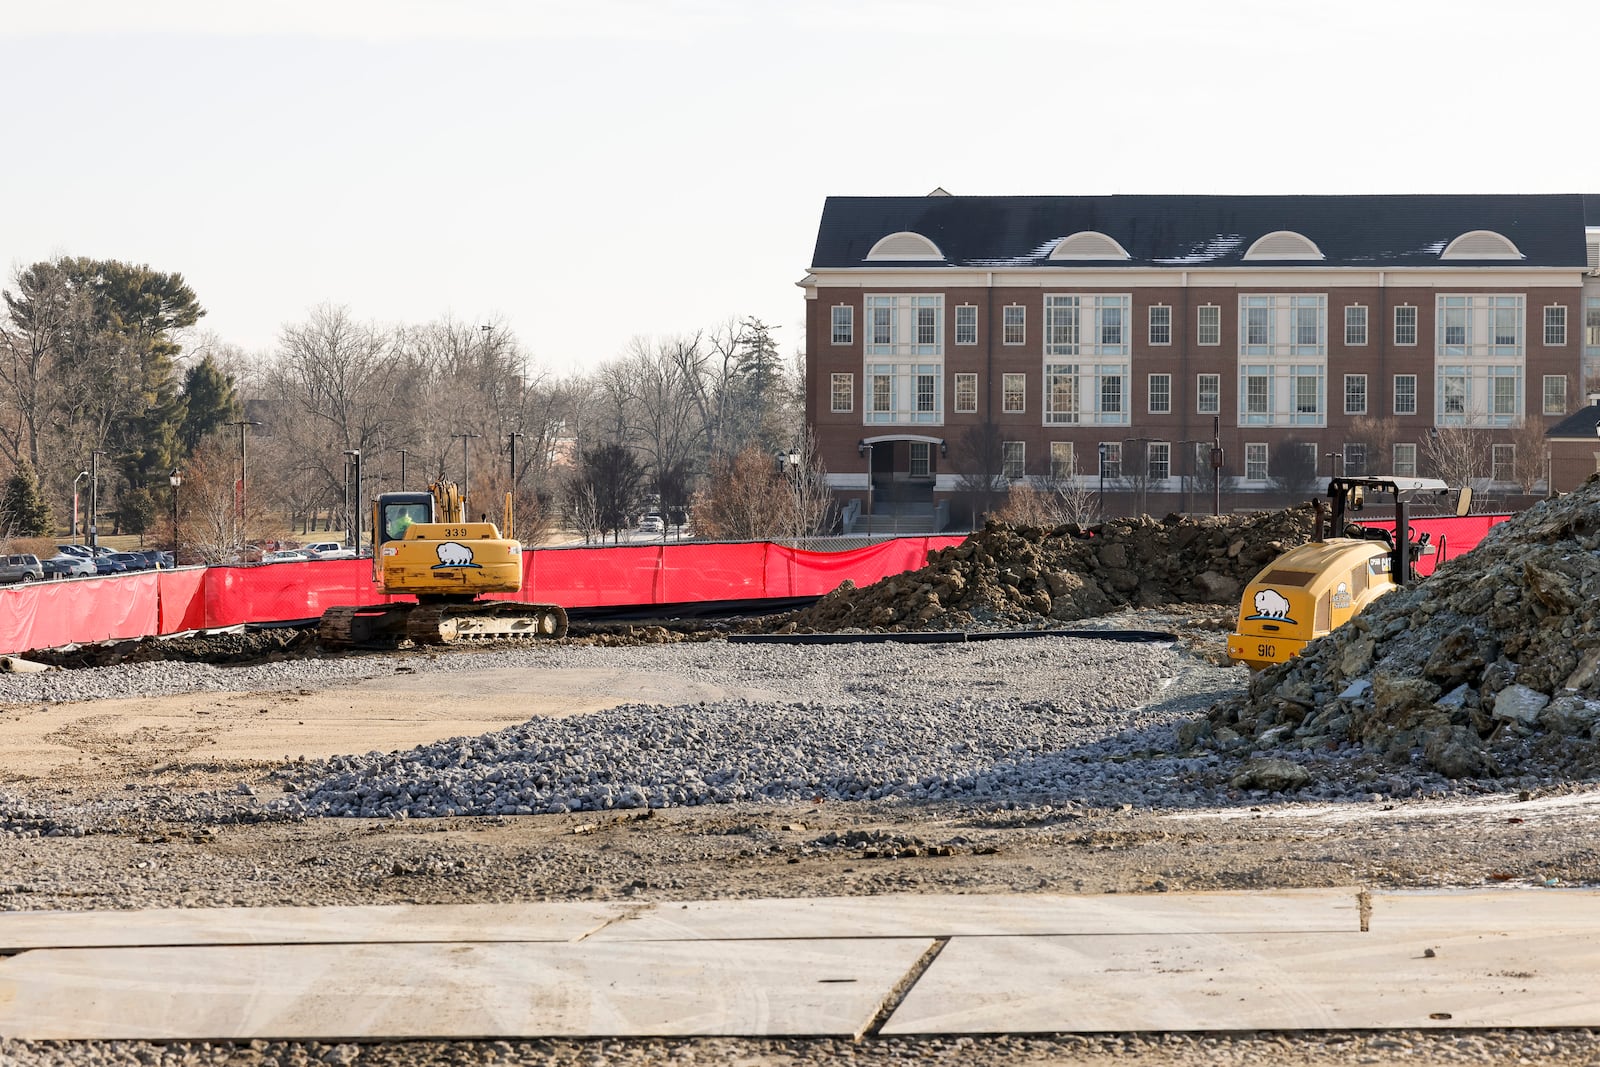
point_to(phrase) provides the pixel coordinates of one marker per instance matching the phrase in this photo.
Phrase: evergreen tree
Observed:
(759, 382)
(211, 402)
(25, 511)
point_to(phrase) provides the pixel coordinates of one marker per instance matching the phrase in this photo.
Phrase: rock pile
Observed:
(1029, 576)
(1493, 660)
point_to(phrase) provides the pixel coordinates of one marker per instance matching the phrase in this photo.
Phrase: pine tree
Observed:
(25, 511)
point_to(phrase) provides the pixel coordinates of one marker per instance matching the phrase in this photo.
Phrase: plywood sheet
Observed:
(1243, 982)
(397, 991)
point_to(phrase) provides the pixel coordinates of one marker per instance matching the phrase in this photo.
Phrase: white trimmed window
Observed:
(1481, 326)
(1479, 357)
(903, 325)
(1555, 324)
(1110, 459)
(1158, 461)
(1591, 322)
(1014, 324)
(1355, 324)
(1160, 324)
(919, 459)
(1405, 461)
(1087, 358)
(966, 324)
(1355, 394)
(1208, 394)
(1355, 458)
(1209, 330)
(1014, 393)
(1284, 324)
(1555, 394)
(966, 393)
(1405, 325)
(1160, 394)
(844, 324)
(1062, 462)
(1405, 394)
(1503, 463)
(1283, 353)
(1013, 459)
(844, 392)
(906, 393)
(1255, 461)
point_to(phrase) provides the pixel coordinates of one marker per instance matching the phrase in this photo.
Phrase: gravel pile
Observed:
(1029, 576)
(1489, 667)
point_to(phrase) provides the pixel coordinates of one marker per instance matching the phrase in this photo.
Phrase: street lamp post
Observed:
(466, 474)
(352, 456)
(94, 498)
(1102, 481)
(402, 467)
(511, 507)
(77, 532)
(175, 479)
(1144, 482)
(865, 449)
(244, 476)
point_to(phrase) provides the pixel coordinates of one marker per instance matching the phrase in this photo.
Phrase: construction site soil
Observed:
(1468, 705)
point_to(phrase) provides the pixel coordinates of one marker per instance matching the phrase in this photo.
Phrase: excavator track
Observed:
(496, 620)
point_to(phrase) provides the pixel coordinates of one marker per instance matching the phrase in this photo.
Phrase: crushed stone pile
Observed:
(1032, 576)
(1493, 660)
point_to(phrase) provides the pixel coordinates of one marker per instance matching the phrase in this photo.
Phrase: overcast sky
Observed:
(585, 173)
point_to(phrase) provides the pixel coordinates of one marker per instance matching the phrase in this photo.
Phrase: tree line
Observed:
(103, 367)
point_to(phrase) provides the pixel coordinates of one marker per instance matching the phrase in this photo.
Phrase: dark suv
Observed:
(20, 569)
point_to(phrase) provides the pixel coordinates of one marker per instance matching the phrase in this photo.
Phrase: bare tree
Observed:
(1459, 455)
(747, 498)
(1377, 435)
(1532, 455)
(978, 460)
(1294, 467)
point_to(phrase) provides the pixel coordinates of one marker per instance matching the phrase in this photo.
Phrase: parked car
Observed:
(20, 568)
(328, 550)
(75, 550)
(133, 561)
(284, 556)
(67, 565)
(652, 524)
(107, 565)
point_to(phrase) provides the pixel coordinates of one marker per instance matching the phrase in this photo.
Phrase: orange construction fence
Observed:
(51, 614)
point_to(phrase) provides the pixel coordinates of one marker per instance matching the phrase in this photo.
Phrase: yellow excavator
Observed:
(424, 546)
(1319, 586)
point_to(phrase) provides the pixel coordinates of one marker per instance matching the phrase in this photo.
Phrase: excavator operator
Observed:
(401, 518)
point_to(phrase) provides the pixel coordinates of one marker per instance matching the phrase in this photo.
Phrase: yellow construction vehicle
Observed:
(1319, 586)
(424, 546)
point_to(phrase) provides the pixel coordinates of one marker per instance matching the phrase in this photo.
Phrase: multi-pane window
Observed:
(844, 392)
(904, 326)
(1284, 324)
(1480, 325)
(1479, 358)
(1013, 458)
(844, 324)
(1355, 458)
(1090, 384)
(1555, 394)
(966, 393)
(1209, 331)
(1014, 393)
(1110, 459)
(906, 392)
(1208, 394)
(1062, 462)
(1405, 394)
(1014, 321)
(1503, 463)
(920, 454)
(1355, 394)
(1355, 324)
(1255, 461)
(1281, 394)
(966, 324)
(1158, 461)
(1405, 461)
(1160, 324)
(1285, 383)
(1405, 325)
(1591, 344)
(1160, 394)
(1555, 324)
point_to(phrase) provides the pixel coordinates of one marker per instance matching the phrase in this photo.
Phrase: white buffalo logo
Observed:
(1271, 604)
(453, 554)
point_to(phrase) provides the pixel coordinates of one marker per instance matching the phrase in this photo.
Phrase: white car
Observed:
(284, 556)
(652, 524)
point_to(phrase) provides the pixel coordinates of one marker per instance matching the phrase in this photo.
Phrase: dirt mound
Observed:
(1030, 576)
(237, 646)
(1494, 658)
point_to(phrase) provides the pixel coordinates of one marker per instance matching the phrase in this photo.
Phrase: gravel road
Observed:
(1043, 765)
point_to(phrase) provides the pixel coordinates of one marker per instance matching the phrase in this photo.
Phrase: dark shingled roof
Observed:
(1194, 231)
(1580, 423)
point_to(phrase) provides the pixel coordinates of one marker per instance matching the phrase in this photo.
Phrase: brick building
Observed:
(1107, 339)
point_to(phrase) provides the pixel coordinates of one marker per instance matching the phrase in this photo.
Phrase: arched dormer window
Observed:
(1088, 244)
(905, 245)
(1284, 244)
(1481, 244)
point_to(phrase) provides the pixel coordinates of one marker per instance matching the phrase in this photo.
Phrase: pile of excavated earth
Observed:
(1030, 576)
(1493, 660)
